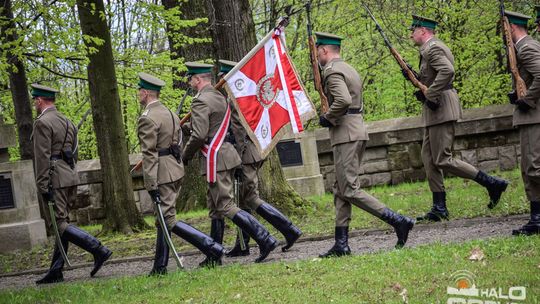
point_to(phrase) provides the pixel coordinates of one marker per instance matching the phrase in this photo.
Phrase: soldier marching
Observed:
(229, 156)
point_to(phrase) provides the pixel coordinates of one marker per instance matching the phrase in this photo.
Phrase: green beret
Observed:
(149, 82)
(43, 91)
(419, 21)
(198, 68)
(326, 39)
(517, 18)
(225, 66)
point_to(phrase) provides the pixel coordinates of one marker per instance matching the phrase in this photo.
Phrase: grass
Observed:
(421, 275)
(466, 199)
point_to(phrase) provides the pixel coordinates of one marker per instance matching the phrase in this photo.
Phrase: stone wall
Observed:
(484, 138)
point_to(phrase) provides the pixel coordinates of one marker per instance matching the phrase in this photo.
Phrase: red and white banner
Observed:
(268, 93)
(211, 151)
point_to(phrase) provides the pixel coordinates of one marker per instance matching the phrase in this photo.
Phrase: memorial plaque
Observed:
(6, 192)
(290, 153)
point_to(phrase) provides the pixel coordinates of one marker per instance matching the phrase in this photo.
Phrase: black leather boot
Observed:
(89, 243)
(161, 259)
(281, 223)
(55, 275)
(216, 233)
(341, 245)
(438, 212)
(494, 185)
(402, 225)
(256, 231)
(237, 251)
(201, 241)
(533, 226)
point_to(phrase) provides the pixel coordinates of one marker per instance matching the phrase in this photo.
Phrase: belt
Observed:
(354, 111)
(56, 157)
(164, 152)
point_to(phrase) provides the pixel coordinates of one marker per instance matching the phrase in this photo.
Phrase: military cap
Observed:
(326, 38)
(537, 8)
(225, 66)
(517, 18)
(198, 68)
(419, 21)
(43, 91)
(149, 82)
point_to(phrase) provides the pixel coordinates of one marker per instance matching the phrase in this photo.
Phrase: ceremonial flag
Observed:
(268, 93)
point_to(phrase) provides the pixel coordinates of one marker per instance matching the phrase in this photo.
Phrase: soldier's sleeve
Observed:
(530, 59)
(336, 86)
(445, 72)
(238, 130)
(147, 131)
(200, 121)
(42, 137)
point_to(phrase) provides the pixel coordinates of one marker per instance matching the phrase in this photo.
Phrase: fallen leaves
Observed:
(476, 254)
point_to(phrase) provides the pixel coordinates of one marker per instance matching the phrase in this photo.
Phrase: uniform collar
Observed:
(426, 44)
(522, 40)
(46, 110)
(329, 63)
(207, 87)
(152, 104)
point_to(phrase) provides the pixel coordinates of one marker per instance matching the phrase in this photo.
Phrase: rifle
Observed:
(517, 82)
(181, 105)
(402, 63)
(315, 61)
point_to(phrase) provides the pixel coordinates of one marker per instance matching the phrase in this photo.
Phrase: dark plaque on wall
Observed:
(290, 153)
(6, 192)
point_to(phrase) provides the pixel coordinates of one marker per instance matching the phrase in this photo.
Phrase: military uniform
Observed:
(348, 137)
(160, 138)
(249, 180)
(55, 145)
(209, 114)
(440, 111)
(527, 119)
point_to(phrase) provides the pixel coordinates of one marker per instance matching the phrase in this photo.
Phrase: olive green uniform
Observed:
(528, 122)
(52, 133)
(158, 130)
(208, 110)
(348, 136)
(437, 73)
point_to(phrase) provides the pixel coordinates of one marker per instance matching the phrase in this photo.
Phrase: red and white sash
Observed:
(211, 151)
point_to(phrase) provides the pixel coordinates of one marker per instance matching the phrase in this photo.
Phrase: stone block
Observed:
(329, 180)
(507, 158)
(365, 181)
(381, 178)
(488, 165)
(22, 235)
(415, 155)
(397, 177)
(375, 154)
(398, 160)
(375, 166)
(397, 148)
(326, 159)
(490, 153)
(413, 175)
(307, 186)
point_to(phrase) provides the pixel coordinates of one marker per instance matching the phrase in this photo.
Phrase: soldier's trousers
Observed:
(529, 136)
(347, 192)
(249, 191)
(437, 156)
(168, 193)
(220, 199)
(65, 199)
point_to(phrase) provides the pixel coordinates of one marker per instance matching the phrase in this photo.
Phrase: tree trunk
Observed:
(193, 193)
(233, 34)
(120, 209)
(18, 84)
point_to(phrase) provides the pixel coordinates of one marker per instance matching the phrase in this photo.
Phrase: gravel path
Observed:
(361, 242)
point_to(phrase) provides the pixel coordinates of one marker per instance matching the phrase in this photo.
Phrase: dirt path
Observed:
(361, 242)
